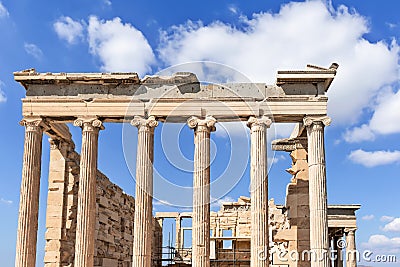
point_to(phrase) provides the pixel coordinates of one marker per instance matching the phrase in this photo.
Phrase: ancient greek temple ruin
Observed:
(92, 222)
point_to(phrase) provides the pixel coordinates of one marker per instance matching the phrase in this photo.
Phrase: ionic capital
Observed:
(89, 124)
(140, 122)
(34, 124)
(310, 120)
(350, 231)
(259, 123)
(207, 124)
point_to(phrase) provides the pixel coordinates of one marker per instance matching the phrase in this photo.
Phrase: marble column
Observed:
(201, 190)
(178, 233)
(29, 198)
(142, 230)
(319, 240)
(86, 214)
(351, 252)
(259, 191)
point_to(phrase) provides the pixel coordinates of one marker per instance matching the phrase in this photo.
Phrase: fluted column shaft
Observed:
(86, 214)
(29, 198)
(178, 233)
(143, 223)
(201, 190)
(259, 191)
(351, 252)
(319, 239)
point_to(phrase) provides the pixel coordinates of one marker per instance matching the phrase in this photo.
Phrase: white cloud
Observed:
(382, 243)
(378, 240)
(3, 11)
(107, 2)
(33, 50)
(69, 29)
(392, 25)
(119, 46)
(368, 217)
(383, 121)
(386, 218)
(3, 97)
(6, 201)
(386, 116)
(393, 226)
(374, 158)
(359, 134)
(301, 33)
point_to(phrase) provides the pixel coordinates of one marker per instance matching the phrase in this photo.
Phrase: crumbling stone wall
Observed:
(157, 242)
(235, 216)
(114, 214)
(114, 227)
(296, 237)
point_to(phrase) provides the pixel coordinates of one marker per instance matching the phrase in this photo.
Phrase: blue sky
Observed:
(255, 38)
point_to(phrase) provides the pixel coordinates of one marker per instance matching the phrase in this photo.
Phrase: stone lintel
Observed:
(313, 74)
(122, 109)
(165, 214)
(343, 210)
(289, 144)
(341, 222)
(59, 131)
(186, 215)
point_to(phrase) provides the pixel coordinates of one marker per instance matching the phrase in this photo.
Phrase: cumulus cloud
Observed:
(301, 33)
(383, 121)
(119, 46)
(386, 218)
(33, 50)
(393, 226)
(359, 134)
(368, 217)
(386, 114)
(68, 29)
(374, 158)
(383, 243)
(3, 11)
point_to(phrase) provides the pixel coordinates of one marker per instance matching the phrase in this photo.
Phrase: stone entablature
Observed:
(110, 96)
